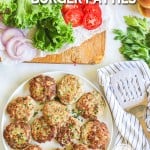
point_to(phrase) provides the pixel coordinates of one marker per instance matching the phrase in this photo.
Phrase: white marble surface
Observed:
(12, 76)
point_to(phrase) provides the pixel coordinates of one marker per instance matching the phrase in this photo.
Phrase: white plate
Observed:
(23, 90)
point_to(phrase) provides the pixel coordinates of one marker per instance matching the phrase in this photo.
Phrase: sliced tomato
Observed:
(92, 8)
(92, 21)
(67, 7)
(87, 2)
(74, 16)
(93, 2)
(82, 3)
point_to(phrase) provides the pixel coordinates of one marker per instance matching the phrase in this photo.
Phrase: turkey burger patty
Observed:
(95, 135)
(17, 135)
(22, 108)
(42, 88)
(69, 89)
(41, 131)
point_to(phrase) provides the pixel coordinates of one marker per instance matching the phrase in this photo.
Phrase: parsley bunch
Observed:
(136, 40)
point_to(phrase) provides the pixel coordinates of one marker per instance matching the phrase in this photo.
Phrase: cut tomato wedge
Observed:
(92, 21)
(92, 8)
(74, 17)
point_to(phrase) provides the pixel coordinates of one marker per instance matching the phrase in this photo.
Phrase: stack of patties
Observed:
(144, 7)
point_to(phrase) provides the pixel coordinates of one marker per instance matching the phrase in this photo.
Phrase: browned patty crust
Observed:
(17, 135)
(33, 147)
(90, 105)
(42, 88)
(41, 131)
(22, 108)
(55, 113)
(69, 89)
(68, 132)
(95, 135)
(79, 147)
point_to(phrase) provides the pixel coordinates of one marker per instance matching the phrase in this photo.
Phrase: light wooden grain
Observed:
(89, 52)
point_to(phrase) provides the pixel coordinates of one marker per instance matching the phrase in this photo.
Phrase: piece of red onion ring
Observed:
(1, 45)
(2, 26)
(10, 33)
(19, 48)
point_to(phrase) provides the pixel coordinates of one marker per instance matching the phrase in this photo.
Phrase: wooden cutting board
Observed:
(90, 52)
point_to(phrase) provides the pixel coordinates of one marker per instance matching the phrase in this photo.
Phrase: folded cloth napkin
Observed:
(129, 130)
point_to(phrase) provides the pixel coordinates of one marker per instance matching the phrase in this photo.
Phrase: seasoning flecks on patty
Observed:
(55, 113)
(69, 89)
(22, 108)
(90, 105)
(69, 131)
(33, 147)
(41, 131)
(42, 88)
(17, 135)
(95, 135)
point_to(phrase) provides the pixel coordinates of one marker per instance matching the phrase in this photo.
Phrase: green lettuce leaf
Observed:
(23, 14)
(28, 15)
(7, 6)
(52, 34)
(8, 9)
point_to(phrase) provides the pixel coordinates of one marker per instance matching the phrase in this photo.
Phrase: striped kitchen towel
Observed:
(129, 130)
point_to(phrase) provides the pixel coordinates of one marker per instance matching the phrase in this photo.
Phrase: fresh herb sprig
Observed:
(136, 40)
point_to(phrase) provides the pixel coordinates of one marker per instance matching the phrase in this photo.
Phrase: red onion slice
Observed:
(25, 52)
(11, 46)
(1, 45)
(19, 48)
(2, 26)
(10, 33)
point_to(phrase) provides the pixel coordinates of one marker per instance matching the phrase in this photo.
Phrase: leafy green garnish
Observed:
(136, 40)
(23, 14)
(52, 31)
(76, 113)
(35, 113)
(8, 7)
